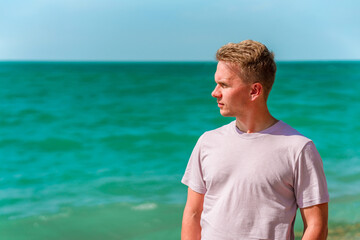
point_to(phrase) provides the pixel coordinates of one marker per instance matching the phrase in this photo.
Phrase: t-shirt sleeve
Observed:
(310, 183)
(193, 176)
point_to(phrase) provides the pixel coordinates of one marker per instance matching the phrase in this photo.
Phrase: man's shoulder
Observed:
(218, 133)
(291, 135)
(223, 130)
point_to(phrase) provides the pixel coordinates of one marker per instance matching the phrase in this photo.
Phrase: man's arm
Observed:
(315, 220)
(191, 229)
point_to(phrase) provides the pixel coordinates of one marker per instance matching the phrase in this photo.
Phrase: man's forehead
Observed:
(223, 71)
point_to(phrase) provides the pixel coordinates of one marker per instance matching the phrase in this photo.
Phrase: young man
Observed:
(246, 179)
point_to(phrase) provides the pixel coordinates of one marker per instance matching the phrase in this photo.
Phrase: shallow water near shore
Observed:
(94, 150)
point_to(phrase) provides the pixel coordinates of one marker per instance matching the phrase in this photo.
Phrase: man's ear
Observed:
(256, 90)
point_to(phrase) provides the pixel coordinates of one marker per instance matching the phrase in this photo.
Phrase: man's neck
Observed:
(255, 122)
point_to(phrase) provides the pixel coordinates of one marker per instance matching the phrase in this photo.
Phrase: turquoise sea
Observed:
(97, 150)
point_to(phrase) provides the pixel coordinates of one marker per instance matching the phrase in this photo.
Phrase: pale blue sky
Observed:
(176, 30)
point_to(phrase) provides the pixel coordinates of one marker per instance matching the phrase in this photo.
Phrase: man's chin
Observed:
(226, 114)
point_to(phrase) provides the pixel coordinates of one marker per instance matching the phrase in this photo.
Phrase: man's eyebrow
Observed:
(221, 80)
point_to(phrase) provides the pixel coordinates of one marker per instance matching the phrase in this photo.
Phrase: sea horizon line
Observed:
(171, 61)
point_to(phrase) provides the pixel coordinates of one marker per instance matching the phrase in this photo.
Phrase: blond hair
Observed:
(252, 60)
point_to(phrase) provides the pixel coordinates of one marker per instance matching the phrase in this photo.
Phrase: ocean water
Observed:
(97, 150)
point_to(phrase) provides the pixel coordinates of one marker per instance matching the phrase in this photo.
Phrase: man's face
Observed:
(232, 94)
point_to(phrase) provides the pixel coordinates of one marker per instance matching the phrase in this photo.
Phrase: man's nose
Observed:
(216, 93)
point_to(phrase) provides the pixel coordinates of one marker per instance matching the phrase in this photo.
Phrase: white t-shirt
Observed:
(254, 182)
